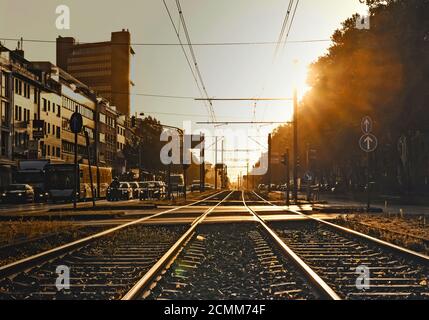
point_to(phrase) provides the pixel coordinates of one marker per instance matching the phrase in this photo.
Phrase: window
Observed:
(36, 96)
(49, 106)
(5, 114)
(58, 111)
(18, 86)
(49, 150)
(102, 118)
(58, 135)
(53, 107)
(58, 153)
(82, 109)
(49, 128)
(44, 104)
(4, 85)
(102, 137)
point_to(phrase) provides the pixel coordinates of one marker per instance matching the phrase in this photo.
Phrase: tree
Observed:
(381, 72)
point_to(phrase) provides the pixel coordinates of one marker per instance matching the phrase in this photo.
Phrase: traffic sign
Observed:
(76, 122)
(368, 142)
(38, 124)
(366, 125)
(38, 134)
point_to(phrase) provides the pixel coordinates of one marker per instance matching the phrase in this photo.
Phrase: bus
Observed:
(32, 172)
(60, 181)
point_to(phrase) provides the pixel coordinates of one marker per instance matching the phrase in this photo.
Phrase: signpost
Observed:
(76, 123)
(285, 161)
(366, 124)
(88, 150)
(368, 143)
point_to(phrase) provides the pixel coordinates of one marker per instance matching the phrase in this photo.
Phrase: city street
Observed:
(214, 159)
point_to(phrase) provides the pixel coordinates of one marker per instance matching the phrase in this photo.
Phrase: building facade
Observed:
(37, 100)
(103, 66)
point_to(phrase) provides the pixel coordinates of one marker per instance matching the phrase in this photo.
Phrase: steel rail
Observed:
(168, 257)
(30, 261)
(404, 251)
(324, 289)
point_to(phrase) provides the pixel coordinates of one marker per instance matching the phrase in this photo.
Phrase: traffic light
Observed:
(133, 121)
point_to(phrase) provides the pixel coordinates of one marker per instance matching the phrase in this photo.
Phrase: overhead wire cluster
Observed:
(194, 67)
(281, 41)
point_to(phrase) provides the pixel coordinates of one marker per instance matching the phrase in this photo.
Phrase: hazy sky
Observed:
(228, 71)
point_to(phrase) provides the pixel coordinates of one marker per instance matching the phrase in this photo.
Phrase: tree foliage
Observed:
(382, 72)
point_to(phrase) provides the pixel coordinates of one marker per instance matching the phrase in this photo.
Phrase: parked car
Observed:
(262, 187)
(195, 186)
(152, 190)
(119, 191)
(136, 189)
(18, 193)
(177, 183)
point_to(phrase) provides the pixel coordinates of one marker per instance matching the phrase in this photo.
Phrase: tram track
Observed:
(102, 266)
(355, 265)
(233, 261)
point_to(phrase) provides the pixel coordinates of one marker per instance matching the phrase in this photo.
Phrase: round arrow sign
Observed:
(368, 142)
(76, 122)
(366, 125)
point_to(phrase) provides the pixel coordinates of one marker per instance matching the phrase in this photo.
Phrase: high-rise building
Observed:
(103, 66)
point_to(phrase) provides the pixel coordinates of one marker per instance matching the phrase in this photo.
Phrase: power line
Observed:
(279, 41)
(183, 49)
(186, 114)
(194, 58)
(167, 44)
(284, 43)
(285, 21)
(290, 25)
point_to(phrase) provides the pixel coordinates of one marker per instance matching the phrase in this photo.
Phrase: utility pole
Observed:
(247, 175)
(253, 177)
(202, 164)
(223, 167)
(368, 184)
(216, 163)
(286, 163)
(269, 162)
(295, 146)
(76, 172)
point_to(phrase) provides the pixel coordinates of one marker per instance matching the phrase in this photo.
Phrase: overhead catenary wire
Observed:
(285, 41)
(184, 51)
(276, 51)
(170, 44)
(290, 25)
(194, 58)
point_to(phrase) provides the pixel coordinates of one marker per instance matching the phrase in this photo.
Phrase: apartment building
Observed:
(103, 66)
(107, 116)
(37, 101)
